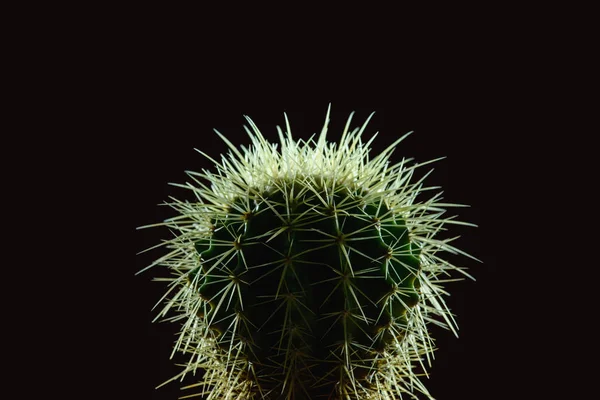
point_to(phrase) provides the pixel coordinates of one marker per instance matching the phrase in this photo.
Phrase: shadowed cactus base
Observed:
(310, 282)
(309, 271)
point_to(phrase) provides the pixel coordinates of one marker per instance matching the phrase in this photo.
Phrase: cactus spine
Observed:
(307, 272)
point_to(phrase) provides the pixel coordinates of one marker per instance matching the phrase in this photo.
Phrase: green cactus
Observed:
(307, 272)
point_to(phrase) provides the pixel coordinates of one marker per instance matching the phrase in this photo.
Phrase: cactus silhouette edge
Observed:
(308, 270)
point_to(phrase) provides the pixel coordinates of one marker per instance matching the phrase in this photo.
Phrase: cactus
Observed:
(308, 272)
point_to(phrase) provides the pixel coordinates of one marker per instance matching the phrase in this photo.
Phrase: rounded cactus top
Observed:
(308, 269)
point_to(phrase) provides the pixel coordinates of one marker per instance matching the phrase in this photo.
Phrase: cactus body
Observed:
(307, 272)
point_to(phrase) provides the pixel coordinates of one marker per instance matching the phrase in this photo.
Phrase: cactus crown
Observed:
(308, 271)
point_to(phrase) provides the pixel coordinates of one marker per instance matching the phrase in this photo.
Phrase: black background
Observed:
(110, 103)
(459, 103)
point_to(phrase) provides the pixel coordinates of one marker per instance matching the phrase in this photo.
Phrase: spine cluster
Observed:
(308, 271)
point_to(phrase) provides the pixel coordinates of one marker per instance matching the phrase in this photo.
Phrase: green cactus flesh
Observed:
(310, 284)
